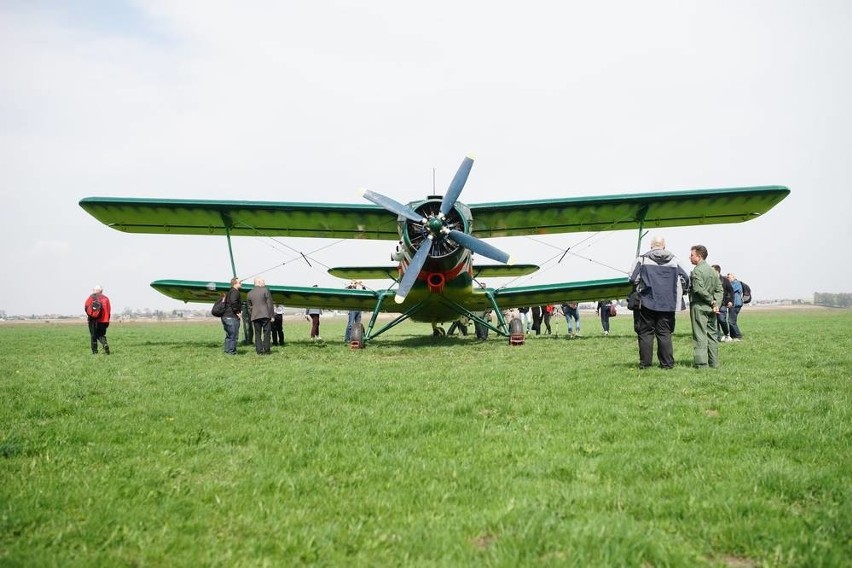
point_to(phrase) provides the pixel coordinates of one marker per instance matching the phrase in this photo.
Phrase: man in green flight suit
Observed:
(705, 296)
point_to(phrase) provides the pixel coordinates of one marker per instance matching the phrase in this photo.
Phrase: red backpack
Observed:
(93, 310)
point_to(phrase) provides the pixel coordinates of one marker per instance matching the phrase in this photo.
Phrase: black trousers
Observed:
(97, 332)
(536, 317)
(261, 327)
(278, 330)
(649, 324)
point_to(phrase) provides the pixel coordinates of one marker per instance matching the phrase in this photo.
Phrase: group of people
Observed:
(659, 285)
(263, 321)
(536, 316)
(276, 324)
(259, 310)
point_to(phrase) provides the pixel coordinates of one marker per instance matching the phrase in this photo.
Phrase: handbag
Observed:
(634, 300)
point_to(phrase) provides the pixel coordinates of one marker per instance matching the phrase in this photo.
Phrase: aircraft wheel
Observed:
(516, 326)
(438, 331)
(356, 336)
(516, 332)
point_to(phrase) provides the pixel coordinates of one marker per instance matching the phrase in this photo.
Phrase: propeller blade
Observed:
(413, 270)
(456, 185)
(392, 205)
(480, 247)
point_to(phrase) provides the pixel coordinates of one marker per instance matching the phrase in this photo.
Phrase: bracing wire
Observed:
(548, 264)
(298, 254)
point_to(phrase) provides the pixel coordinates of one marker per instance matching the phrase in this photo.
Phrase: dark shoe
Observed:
(106, 349)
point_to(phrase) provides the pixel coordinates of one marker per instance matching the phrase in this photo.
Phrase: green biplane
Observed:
(432, 279)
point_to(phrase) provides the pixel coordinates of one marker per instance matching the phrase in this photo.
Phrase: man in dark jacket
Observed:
(660, 281)
(262, 311)
(231, 317)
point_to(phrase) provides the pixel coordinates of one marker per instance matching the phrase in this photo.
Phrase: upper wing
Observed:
(543, 294)
(338, 220)
(616, 212)
(292, 296)
(242, 218)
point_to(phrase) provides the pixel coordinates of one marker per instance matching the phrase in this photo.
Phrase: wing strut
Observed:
(641, 218)
(368, 334)
(226, 220)
(502, 327)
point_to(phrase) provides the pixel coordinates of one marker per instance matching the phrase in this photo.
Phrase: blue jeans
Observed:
(354, 319)
(572, 314)
(605, 318)
(232, 332)
(733, 326)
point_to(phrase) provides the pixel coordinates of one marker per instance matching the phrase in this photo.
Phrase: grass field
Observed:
(418, 451)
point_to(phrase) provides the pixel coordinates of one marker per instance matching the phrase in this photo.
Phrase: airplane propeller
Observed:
(436, 229)
(413, 270)
(480, 247)
(456, 186)
(393, 206)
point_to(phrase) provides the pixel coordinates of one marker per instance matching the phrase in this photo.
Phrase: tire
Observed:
(356, 336)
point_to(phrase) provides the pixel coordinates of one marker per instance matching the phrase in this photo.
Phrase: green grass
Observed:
(426, 452)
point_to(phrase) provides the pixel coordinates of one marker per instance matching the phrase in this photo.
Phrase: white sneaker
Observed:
(606, 333)
(726, 339)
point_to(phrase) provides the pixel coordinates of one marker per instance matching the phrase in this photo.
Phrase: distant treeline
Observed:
(843, 300)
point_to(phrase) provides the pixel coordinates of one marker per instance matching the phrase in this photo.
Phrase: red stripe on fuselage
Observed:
(449, 275)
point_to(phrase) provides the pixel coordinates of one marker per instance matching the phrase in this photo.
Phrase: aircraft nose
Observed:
(435, 225)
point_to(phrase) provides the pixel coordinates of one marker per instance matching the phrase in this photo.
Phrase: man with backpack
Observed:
(231, 316)
(734, 308)
(98, 312)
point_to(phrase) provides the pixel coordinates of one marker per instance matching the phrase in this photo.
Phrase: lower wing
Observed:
(291, 296)
(366, 300)
(543, 294)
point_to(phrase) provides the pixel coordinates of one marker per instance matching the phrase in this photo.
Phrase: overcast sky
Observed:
(309, 101)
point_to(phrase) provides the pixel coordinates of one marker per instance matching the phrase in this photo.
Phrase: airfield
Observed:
(426, 452)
